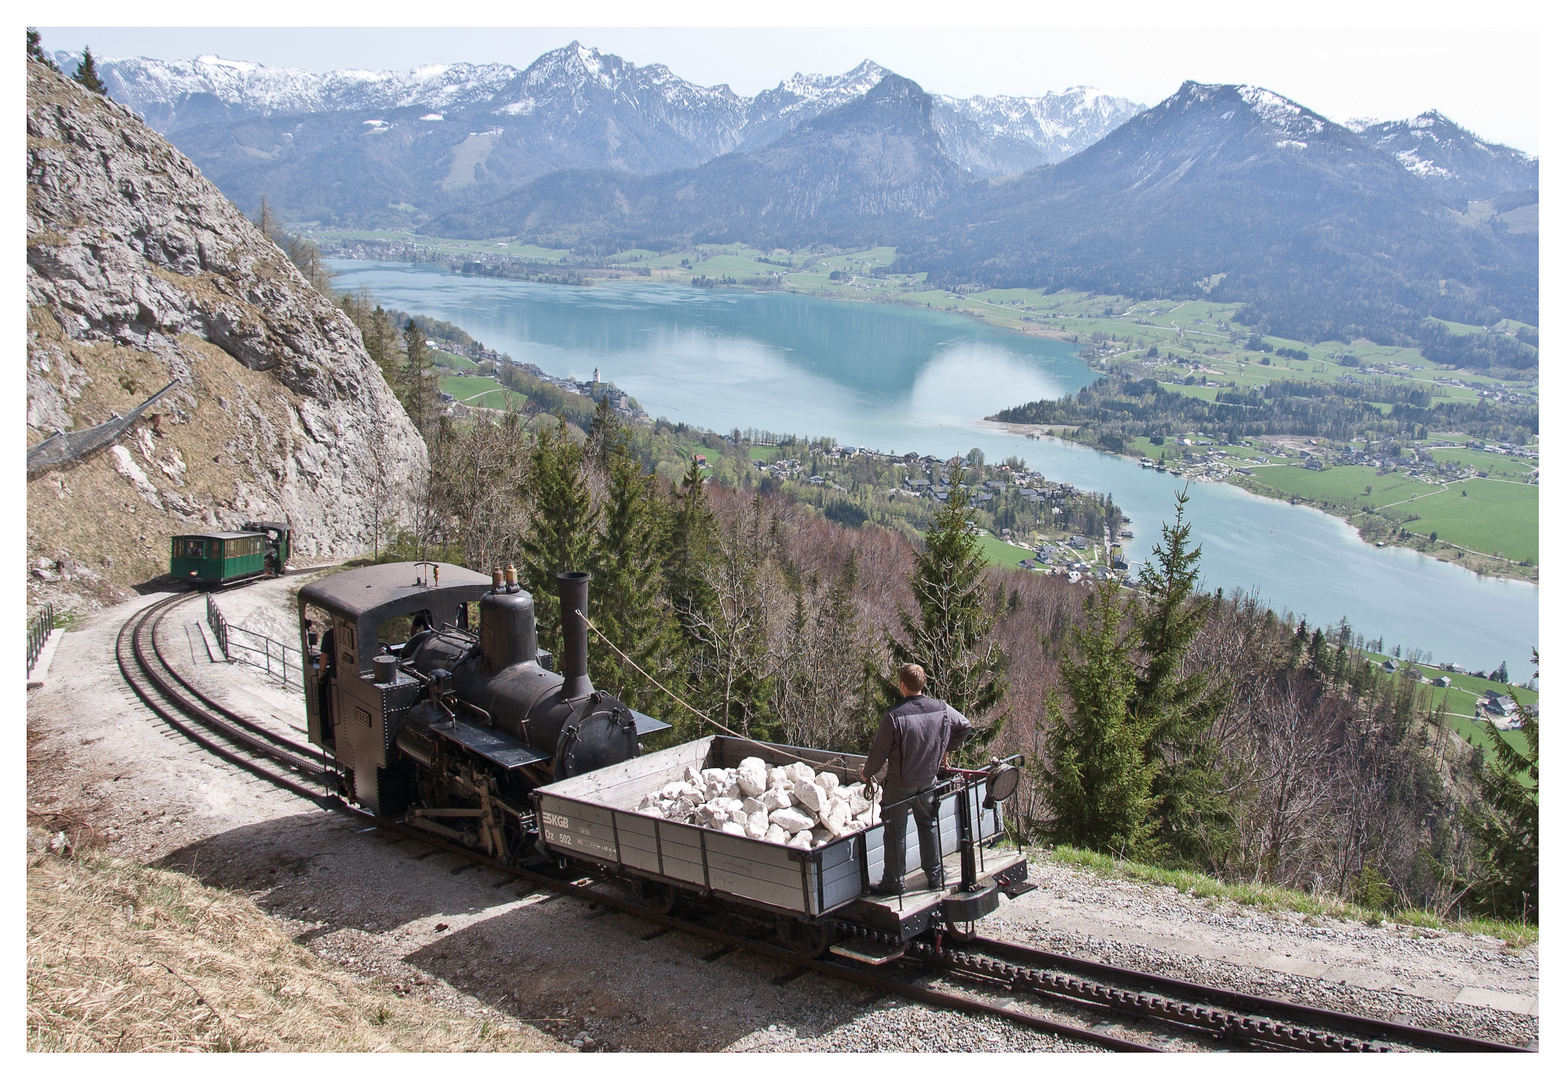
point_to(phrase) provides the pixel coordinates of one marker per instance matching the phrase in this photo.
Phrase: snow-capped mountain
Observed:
(576, 86)
(154, 86)
(774, 113)
(997, 136)
(1467, 167)
(364, 146)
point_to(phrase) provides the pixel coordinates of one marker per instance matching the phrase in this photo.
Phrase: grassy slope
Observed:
(125, 957)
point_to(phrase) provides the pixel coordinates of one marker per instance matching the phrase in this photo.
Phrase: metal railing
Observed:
(219, 626)
(38, 628)
(251, 647)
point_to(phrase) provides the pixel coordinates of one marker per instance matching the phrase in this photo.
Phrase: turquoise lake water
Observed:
(905, 379)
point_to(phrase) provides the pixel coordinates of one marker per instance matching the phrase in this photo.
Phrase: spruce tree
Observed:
(950, 634)
(1506, 821)
(87, 74)
(562, 527)
(419, 384)
(1179, 706)
(1096, 779)
(691, 531)
(35, 50)
(628, 607)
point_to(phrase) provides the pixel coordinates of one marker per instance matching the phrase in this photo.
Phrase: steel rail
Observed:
(293, 754)
(132, 661)
(1250, 1005)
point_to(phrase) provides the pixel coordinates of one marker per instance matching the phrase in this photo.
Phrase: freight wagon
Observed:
(593, 819)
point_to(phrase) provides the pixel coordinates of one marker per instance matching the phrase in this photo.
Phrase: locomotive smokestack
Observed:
(573, 632)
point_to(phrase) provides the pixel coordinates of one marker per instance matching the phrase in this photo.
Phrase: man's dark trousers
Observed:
(896, 803)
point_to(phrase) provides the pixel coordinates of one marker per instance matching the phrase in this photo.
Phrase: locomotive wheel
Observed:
(808, 940)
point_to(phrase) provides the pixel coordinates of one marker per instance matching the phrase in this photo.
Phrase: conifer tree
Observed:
(628, 607)
(419, 384)
(950, 634)
(691, 530)
(1096, 779)
(1179, 709)
(1507, 821)
(87, 74)
(35, 50)
(266, 221)
(562, 525)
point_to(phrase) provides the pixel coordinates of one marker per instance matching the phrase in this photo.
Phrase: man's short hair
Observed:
(911, 677)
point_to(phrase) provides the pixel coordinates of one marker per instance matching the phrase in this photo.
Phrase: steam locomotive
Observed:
(426, 683)
(446, 727)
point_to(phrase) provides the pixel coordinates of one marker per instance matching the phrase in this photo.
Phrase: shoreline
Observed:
(1494, 568)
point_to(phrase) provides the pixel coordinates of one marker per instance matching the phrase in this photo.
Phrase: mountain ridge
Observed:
(446, 136)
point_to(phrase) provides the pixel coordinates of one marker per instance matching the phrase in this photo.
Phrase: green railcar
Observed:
(214, 558)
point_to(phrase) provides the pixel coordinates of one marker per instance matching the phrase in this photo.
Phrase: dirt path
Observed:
(432, 925)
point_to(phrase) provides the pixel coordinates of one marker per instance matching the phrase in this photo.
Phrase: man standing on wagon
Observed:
(916, 735)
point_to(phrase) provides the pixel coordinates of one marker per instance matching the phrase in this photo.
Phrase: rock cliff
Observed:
(139, 271)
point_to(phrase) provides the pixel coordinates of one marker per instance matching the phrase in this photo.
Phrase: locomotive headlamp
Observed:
(1001, 783)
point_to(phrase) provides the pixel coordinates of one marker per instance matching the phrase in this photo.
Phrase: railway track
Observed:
(257, 748)
(1242, 1019)
(1050, 992)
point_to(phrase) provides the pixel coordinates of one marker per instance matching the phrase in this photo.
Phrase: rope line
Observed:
(681, 701)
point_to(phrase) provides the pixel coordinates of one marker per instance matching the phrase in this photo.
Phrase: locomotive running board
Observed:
(868, 951)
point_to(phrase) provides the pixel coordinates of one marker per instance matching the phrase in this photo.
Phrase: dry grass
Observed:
(124, 957)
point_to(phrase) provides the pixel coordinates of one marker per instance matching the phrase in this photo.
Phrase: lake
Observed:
(904, 379)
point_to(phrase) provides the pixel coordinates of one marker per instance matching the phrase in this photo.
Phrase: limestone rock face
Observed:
(140, 272)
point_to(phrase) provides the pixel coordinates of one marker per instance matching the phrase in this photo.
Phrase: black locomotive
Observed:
(448, 727)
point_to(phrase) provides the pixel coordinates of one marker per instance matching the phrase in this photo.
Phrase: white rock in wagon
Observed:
(756, 825)
(776, 834)
(837, 820)
(808, 795)
(791, 819)
(801, 840)
(799, 772)
(751, 782)
(827, 782)
(774, 799)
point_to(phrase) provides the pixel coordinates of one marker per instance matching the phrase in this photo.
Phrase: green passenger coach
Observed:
(218, 557)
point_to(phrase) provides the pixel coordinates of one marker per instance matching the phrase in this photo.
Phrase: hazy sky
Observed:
(1485, 78)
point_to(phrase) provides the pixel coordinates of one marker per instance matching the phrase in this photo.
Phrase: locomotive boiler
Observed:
(427, 684)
